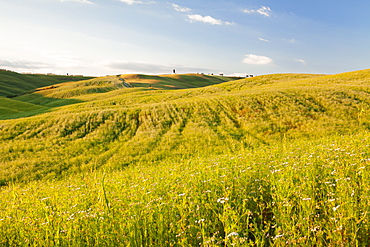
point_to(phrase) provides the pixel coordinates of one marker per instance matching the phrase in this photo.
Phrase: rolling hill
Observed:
(82, 89)
(188, 160)
(111, 125)
(12, 83)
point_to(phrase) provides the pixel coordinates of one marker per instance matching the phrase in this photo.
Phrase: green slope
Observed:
(274, 160)
(174, 81)
(73, 92)
(11, 107)
(12, 83)
(137, 82)
(126, 126)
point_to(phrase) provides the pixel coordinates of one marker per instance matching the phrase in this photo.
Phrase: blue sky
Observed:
(104, 37)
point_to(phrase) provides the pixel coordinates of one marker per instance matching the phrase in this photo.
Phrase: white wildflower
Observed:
(232, 234)
(335, 208)
(222, 199)
(199, 221)
(274, 171)
(279, 236)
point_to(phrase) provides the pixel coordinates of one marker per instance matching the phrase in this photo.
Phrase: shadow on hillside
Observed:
(46, 104)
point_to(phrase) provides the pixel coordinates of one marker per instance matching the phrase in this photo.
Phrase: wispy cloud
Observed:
(181, 9)
(264, 40)
(199, 18)
(130, 2)
(207, 19)
(257, 59)
(80, 1)
(292, 41)
(266, 11)
(303, 62)
(63, 60)
(23, 64)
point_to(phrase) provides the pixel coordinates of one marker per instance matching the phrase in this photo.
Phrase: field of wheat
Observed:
(275, 160)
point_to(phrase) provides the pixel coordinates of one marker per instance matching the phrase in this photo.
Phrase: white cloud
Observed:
(23, 64)
(207, 19)
(197, 18)
(264, 40)
(62, 59)
(302, 61)
(80, 1)
(181, 9)
(130, 2)
(256, 59)
(266, 11)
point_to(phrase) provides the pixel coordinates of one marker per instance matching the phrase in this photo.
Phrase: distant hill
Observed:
(12, 83)
(85, 89)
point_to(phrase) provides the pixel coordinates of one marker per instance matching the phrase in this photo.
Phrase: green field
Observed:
(188, 160)
(12, 83)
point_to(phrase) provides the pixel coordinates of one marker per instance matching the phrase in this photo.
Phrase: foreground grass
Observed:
(300, 193)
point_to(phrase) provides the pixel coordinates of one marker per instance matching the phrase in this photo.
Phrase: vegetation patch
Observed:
(272, 160)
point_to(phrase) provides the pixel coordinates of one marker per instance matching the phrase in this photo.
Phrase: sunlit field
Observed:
(276, 160)
(296, 193)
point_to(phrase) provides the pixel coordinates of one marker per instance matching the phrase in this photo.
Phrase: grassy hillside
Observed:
(12, 83)
(73, 92)
(10, 106)
(123, 127)
(139, 82)
(174, 81)
(297, 193)
(270, 160)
